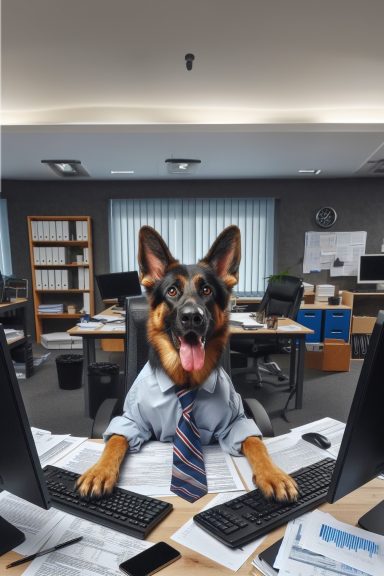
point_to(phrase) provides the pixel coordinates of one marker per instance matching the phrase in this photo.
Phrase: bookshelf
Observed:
(61, 255)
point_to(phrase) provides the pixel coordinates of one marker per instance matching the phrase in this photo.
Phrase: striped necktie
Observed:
(189, 480)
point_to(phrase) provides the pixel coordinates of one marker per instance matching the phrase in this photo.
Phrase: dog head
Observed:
(188, 319)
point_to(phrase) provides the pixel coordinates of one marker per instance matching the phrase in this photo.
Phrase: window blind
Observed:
(5, 249)
(190, 226)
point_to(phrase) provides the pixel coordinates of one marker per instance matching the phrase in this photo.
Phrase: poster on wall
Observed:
(338, 252)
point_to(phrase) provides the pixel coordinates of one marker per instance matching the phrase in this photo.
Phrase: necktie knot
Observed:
(187, 397)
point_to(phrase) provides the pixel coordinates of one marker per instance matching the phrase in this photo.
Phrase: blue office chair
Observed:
(136, 356)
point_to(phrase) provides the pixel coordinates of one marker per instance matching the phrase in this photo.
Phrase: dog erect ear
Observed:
(224, 255)
(154, 256)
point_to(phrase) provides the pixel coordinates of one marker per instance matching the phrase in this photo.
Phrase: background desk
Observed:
(296, 373)
(14, 315)
(349, 510)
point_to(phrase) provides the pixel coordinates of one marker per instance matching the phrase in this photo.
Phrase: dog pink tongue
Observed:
(192, 355)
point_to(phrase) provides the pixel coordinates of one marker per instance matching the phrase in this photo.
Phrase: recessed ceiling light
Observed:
(66, 168)
(309, 171)
(182, 165)
(122, 171)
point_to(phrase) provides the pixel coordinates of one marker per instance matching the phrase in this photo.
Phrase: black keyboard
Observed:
(124, 511)
(246, 518)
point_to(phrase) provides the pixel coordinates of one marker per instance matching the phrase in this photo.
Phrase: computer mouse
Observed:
(317, 439)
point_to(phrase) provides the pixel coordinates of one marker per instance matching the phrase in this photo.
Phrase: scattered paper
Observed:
(149, 471)
(193, 537)
(35, 522)
(52, 447)
(99, 552)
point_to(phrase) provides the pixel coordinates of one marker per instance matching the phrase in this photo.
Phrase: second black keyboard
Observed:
(248, 517)
(125, 511)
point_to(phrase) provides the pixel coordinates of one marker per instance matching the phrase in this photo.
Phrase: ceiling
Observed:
(275, 87)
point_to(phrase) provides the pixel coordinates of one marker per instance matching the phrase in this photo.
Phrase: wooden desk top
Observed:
(99, 332)
(15, 303)
(282, 322)
(348, 509)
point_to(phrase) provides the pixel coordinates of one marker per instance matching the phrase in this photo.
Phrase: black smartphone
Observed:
(151, 560)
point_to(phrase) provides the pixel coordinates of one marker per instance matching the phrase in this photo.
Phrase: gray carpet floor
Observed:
(62, 411)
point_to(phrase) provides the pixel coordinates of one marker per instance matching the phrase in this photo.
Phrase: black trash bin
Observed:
(69, 371)
(104, 382)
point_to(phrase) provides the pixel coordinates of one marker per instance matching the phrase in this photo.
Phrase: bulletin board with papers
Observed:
(338, 252)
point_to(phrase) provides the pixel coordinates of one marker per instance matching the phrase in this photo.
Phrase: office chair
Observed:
(282, 298)
(136, 356)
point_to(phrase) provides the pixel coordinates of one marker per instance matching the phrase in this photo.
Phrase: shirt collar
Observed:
(165, 383)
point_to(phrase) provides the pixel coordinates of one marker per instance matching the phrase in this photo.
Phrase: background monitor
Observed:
(361, 455)
(119, 285)
(371, 269)
(20, 470)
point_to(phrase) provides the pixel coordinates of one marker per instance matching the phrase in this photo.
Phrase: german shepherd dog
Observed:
(188, 330)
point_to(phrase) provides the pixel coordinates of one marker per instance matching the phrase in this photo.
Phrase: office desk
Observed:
(14, 315)
(296, 365)
(348, 509)
(296, 370)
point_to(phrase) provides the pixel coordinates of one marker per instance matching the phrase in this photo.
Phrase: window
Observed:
(190, 226)
(5, 250)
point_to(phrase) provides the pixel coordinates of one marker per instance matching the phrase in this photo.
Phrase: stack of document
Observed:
(244, 320)
(317, 543)
(324, 291)
(308, 288)
(61, 341)
(51, 308)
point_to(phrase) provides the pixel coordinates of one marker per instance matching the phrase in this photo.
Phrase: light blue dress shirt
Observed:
(152, 410)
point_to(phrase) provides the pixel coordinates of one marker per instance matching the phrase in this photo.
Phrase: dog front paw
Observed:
(274, 483)
(97, 481)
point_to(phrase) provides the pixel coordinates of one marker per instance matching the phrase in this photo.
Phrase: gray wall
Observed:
(358, 202)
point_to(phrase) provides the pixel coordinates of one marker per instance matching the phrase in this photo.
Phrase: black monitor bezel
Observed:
(102, 279)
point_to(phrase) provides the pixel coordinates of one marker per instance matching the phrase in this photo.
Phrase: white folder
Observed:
(43, 255)
(79, 230)
(55, 255)
(57, 279)
(52, 230)
(80, 273)
(86, 303)
(85, 230)
(40, 230)
(86, 278)
(59, 230)
(46, 229)
(64, 280)
(51, 280)
(61, 254)
(65, 230)
(35, 235)
(44, 279)
(36, 255)
(38, 282)
(48, 255)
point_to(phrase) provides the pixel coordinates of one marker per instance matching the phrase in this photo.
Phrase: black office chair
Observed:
(282, 298)
(136, 356)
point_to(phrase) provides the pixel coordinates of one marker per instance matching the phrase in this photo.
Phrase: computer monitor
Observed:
(371, 269)
(119, 285)
(361, 455)
(20, 470)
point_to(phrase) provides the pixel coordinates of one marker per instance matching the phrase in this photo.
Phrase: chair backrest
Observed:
(282, 297)
(136, 341)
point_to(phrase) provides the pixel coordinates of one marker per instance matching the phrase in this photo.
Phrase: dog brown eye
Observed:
(172, 291)
(207, 290)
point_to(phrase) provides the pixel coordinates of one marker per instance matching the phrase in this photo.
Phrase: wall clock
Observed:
(326, 217)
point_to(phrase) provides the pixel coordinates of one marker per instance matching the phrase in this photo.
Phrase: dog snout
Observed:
(192, 317)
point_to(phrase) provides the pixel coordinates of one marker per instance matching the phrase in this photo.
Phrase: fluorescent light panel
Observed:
(66, 168)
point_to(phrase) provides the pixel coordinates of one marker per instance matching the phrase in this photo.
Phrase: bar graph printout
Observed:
(353, 546)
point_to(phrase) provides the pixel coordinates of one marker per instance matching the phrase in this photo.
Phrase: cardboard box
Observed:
(334, 357)
(362, 324)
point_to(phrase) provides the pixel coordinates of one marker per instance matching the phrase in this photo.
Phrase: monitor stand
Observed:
(374, 519)
(10, 536)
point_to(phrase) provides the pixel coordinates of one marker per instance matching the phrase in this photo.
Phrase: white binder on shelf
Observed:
(48, 255)
(44, 279)
(85, 255)
(46, 229)
(52, 230)
(40, 230)
(86, 303)
(64, 280)
(51, 280)
(36, 255)
(79, 230)
(61, 254)
(35, 235)
(86, 278)
(55, 255)
(59, 230)
(65, 230)
(57, 279)
(43, 255)
(38, 282)
(80, 273)
(85, 230)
